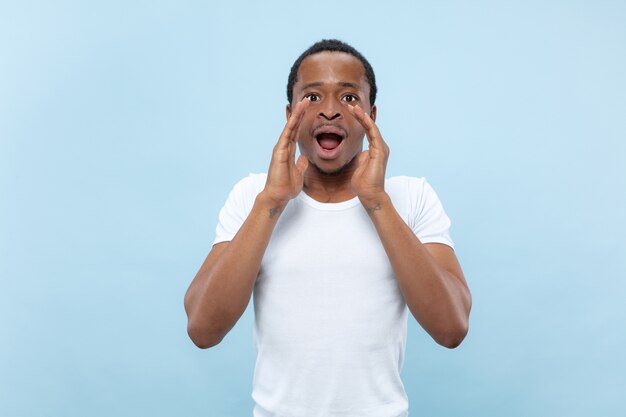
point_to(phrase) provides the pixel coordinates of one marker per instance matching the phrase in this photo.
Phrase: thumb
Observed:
(302, 164)
(362, 161)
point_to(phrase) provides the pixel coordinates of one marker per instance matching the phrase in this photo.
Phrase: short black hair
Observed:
(332, 45)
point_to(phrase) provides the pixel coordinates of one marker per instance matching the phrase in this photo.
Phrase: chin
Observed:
(334, 173)
(331, 172)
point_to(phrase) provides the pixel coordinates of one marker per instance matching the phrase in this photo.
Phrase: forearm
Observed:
(439, 300)
(221, 290)
(220, 293)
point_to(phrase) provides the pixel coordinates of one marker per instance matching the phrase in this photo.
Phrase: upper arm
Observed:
(446, 258)
(458, 323)
(208, 263)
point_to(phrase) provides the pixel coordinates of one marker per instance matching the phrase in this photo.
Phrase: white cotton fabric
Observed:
(330, 321)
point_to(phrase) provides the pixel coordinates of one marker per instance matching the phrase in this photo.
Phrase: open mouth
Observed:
(329, 137)
(328, 141)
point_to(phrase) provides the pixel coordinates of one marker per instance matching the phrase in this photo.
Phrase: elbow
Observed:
(453, 337)
(203, 338)
(451, 342)
(204, 344)
(201, 335)
(457, 328)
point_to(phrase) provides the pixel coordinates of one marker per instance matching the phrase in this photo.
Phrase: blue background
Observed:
(123, 125)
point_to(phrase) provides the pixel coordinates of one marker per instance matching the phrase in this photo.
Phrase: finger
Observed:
(304, 104)
(302, 164)
(297, 115)
(374, 138)
(291, 128)
(361, 162)
(292, 151)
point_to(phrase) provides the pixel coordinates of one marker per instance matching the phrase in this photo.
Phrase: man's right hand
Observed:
(285, 176)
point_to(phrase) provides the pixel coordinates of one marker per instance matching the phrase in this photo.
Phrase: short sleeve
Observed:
(428, 220)
(238, 206)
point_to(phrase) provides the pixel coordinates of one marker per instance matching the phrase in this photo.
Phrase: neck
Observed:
(330, 187)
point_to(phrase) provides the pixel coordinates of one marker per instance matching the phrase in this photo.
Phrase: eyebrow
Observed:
(340, 83)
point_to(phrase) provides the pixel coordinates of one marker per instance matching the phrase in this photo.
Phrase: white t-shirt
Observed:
(330, 320)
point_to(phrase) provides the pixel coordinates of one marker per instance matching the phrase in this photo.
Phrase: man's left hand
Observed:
(368, 180)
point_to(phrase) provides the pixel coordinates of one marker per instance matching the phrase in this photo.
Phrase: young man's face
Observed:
(329, 136)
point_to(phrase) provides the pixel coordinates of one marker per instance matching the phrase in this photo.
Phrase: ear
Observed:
(373, 113)
(288, 111)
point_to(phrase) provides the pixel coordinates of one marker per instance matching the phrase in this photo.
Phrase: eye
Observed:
(312, 97)
(350, 98)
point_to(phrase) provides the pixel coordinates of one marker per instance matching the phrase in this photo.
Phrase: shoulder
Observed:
(411, 195)
(237, 206)
(402, 183)
(250, 185)
(405, 187)
(416, 201)
(244, 192)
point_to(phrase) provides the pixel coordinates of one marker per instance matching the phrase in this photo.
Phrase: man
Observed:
(334, 254)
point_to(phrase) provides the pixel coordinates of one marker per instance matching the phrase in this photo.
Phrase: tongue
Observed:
(329, 142)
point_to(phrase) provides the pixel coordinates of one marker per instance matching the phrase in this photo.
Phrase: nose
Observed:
(331, 110)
